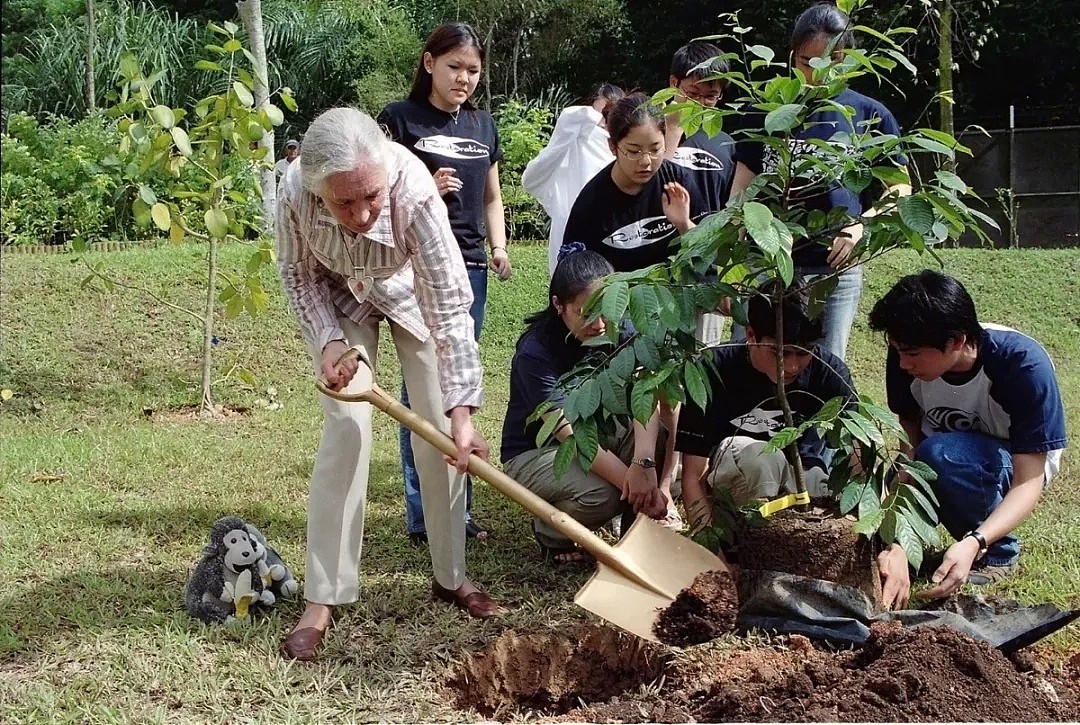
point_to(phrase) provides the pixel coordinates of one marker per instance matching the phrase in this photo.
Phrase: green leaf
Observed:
(176, 233)
(945, 139)
(647, 352)
(869, 500)
(783, 118)
(613, 394)
(160, 214)
(217, 223)
(890, 175)
(147, 195)
(243, 94)
(917, 213)
(588, 398)
(785, 266)
(762, 51)
(163, 116)
(232, 45)
(902, 60)
(781, 439)
(951, 181)
(180, 139)
(613, 306)
(758, 220)
(909, 542)
(274, 114)
(286, 97)
(622, 365)
(696, 385)
(564, 457)
(868, 524)
(587, 441)
(931, 145)
(234, 306)
(851, 495)
(546, 434)
(642, 401)
(644, 307)
(208, 65)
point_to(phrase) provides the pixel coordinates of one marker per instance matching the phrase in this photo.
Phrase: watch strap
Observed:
(983, 544)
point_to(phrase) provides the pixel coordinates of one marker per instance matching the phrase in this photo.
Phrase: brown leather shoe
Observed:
(477, 604)
(304, 644)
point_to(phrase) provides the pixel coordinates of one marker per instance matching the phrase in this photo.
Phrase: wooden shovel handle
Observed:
(507, 486)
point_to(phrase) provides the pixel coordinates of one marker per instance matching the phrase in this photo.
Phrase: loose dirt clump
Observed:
(813, 546)
(703, 611)
(918, 674)
(554, 671)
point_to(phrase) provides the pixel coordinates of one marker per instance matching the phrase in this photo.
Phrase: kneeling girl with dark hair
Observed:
(622, 479)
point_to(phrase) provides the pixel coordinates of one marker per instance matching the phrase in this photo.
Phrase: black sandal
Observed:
(558, 556)
(418, 538)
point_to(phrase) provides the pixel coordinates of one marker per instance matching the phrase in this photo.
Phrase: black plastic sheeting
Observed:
(792, 604)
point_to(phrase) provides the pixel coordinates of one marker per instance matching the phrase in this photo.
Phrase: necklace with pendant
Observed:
(454, 115)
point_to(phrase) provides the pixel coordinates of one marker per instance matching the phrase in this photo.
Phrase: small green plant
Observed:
(749, 244)
(524, 129)
(192, 173)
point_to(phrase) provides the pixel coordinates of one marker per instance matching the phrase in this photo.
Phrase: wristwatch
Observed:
(643, 462)
(983, 545)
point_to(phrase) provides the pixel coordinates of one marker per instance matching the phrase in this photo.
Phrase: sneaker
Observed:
(983, 574)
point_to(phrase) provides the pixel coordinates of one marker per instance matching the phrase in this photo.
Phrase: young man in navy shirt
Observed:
(981, 406)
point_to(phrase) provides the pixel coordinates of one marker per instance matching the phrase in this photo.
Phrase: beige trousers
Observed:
(339, 483)
(740, 466)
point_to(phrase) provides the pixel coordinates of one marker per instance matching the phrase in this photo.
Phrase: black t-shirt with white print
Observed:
(713, 161)
(466, 142)
(630, 230)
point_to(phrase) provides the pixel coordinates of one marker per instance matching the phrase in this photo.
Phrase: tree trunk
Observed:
(792, 450)
(206, 407)
(91, 37)
(514, 61)
(251, 16)
(487, 67)
(945, 80)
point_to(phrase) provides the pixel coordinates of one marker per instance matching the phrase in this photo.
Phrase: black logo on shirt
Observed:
(697, 159)
(641, 233)
(759, 420)
(453, 147)
(954, 420)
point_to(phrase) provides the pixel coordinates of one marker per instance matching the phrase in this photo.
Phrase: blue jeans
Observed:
(414, 506)
(840, 308)
(975, 472)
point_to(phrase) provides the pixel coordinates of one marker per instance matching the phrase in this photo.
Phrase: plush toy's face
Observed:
(239, 549)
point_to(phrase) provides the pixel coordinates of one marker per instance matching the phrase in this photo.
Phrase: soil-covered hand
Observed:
(675, 200)
(895, 581)
(954, 569)
(466, 438)
(337, 376)
(500, 263)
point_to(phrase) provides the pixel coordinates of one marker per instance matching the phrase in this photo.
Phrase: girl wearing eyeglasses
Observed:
(636, 207)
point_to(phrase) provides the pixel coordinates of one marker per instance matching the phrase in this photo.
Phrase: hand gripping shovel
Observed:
(635, 580)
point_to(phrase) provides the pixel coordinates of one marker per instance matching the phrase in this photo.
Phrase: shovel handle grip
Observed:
(506, 485)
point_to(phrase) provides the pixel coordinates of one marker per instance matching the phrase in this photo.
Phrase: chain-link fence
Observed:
(1029, 179)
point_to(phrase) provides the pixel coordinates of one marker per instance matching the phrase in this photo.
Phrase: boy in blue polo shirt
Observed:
(981, 406)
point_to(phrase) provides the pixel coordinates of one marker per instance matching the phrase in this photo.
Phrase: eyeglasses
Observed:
(639, 155)
(706, 99)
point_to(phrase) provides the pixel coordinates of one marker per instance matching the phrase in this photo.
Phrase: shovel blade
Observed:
(670, 560)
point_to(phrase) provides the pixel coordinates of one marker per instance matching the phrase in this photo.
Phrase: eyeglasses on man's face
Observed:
(639, 154)
(706, 98)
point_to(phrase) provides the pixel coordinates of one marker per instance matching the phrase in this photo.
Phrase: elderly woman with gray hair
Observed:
(363, 237)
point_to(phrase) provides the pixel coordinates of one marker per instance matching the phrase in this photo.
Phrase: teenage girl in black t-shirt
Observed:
(458, 143)
(636, 207)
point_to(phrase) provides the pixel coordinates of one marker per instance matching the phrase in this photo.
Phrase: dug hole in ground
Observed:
(595, 673)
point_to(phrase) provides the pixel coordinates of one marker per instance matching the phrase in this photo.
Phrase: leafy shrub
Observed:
(524, 130)
(60, 180)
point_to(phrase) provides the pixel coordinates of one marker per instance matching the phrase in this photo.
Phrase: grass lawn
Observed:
(104, 509)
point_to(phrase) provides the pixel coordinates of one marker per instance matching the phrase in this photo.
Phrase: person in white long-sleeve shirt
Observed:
(577, 151)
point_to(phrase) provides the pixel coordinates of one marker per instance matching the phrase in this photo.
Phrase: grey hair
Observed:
(340, 140)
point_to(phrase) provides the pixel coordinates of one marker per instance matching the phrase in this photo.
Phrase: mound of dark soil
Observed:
(814, 546)
(554, 671)
(918, 674)
(703, 611)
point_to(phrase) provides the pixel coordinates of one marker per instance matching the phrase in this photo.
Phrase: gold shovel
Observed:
(635, 580)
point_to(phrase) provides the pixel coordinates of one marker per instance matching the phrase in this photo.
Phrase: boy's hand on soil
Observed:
(954, 569)
(641, 489)
(896, 582)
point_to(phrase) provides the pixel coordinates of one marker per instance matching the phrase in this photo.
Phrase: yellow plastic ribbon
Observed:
(779, 504)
